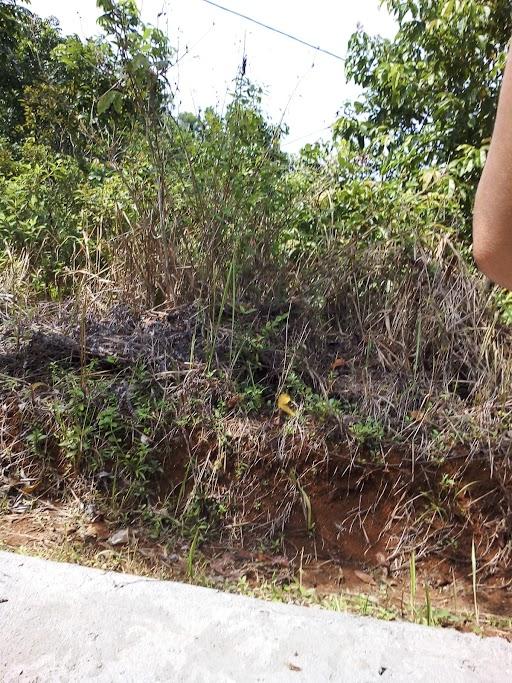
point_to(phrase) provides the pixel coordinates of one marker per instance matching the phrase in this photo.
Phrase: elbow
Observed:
(492, 258)
(483, 254)
(485, 260)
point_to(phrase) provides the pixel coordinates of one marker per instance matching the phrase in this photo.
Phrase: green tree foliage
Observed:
(55, 210)
(238, 180)
(93, 156)
(61, 110)
(426, 111)
(143, 52)
(437, 80)
(26, 42)
(53, 89)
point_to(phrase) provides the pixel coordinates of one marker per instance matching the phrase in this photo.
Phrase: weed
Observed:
(428, 606)
(368, 433)
(474, 580)
(192, 553)
(412, 584)
(252, 398)
(306, 502)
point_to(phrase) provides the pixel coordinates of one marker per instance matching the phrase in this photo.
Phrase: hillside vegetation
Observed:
(216, 344)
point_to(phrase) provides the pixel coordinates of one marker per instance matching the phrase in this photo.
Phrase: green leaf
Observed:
(111, 97)
(140, 61)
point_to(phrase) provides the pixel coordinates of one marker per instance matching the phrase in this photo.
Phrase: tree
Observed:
(60, 108)
(425, 116)
(432, 91)
(26, 42)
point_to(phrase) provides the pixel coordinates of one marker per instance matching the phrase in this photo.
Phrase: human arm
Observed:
(492, 217)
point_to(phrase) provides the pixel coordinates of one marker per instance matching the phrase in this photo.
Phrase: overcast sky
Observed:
(301, 84)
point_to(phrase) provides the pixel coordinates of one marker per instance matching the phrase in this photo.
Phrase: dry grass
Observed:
(422, 392)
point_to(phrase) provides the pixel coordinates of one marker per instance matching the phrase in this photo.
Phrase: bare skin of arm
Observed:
(492, 219)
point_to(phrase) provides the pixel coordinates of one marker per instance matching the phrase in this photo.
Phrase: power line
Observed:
(188, 50)
(287, 143)
(276, 30)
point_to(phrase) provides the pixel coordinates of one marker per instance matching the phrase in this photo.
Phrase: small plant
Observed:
(192, 553)
(306, 502)
(251, 398)
(37, 440)
(367, 433)
(448, 482)
(474, 580)
(428, 606)
(412, 584)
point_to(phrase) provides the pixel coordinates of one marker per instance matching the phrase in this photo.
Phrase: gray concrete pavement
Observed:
(62, 622)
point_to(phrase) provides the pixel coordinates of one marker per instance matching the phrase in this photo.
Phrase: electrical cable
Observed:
(275, 30)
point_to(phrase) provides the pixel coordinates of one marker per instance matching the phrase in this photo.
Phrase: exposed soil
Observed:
(312, 506)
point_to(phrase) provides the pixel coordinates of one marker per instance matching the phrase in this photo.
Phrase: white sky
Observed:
(304, 86)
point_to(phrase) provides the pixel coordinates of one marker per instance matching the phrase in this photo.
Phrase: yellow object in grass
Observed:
(283, 403)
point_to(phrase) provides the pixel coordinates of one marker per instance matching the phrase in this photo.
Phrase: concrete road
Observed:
(62, 622)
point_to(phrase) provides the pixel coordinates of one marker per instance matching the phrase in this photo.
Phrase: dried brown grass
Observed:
(427, 359)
